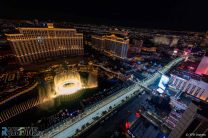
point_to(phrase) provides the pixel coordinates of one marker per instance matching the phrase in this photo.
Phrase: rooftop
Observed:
(112, 37)
(202, 108)
(186, 70)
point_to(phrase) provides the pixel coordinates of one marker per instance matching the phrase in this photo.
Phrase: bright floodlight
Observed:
(163, 82)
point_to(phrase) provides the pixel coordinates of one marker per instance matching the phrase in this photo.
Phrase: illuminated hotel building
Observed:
(112, 45)
(193, 123)
(34, 44)
(196, 88)
(203, 67)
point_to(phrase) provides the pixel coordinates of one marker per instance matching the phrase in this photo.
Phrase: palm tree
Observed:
(77, 130)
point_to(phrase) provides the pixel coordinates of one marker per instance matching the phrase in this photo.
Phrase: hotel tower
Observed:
(112, 45)
(34, 44)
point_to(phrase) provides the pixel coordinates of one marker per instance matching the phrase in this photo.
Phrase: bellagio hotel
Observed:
(34, 44)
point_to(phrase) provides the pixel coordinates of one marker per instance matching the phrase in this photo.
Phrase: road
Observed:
(66, 130)
(112, 124)
(106, 129)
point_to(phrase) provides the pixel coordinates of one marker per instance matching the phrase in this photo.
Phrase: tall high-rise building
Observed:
(203, 67)
(193, 87)
(34, 44)
(112, 45)
(193, 123)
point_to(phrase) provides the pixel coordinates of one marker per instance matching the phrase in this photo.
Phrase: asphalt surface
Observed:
(113, 124)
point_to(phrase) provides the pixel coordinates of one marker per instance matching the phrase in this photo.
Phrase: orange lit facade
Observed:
(112, 44)
(151, 49)
(34, 44)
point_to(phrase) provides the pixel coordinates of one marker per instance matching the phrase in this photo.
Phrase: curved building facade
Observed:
(112, 45)
(33, 44)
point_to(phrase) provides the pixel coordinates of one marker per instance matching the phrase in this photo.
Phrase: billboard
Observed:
(163, 82)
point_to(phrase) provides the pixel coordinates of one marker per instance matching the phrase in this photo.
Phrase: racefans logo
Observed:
(19, 131)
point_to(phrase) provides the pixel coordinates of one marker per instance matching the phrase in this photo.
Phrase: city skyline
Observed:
(103, 69)
(172, 14)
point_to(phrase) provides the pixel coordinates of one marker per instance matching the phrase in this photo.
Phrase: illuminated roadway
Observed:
(69, 127)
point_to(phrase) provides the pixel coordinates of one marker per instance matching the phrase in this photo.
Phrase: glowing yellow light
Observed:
(68, 87)
(67, 83)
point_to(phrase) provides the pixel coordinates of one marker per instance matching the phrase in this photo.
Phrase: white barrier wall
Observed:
(72, 129)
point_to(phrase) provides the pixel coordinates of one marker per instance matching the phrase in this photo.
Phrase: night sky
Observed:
(164, 14)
